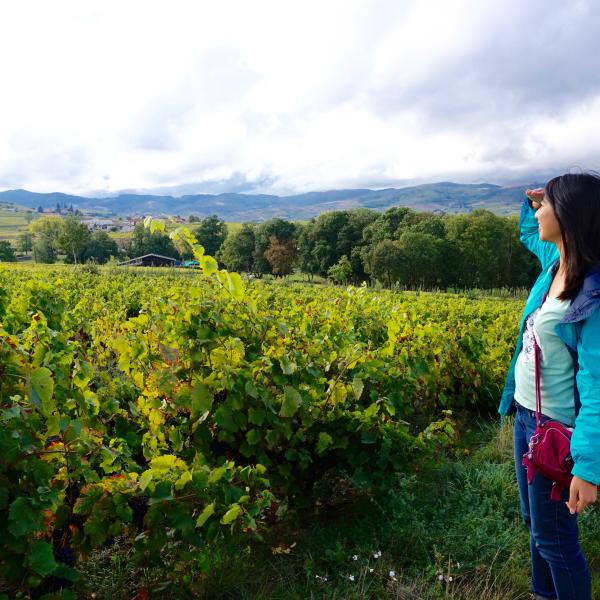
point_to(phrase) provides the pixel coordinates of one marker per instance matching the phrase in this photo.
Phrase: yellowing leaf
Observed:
(232, 514)
(208, 511)
(145, 479)
(166, 462)
(185, 478)
(208, 265)
(325, 440)
(339, 393)
(217, 474)
(357, 387)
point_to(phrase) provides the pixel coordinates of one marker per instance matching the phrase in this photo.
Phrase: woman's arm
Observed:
(547, 252)
(585, 442)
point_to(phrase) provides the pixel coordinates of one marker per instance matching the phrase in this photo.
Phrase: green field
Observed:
(11, 222)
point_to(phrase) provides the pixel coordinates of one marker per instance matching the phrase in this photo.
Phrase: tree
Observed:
(7, 252)
(324, 240)
(193, 219)
(46, 232)
(419, 263)
(44, 251)
(383, 261)
(341, 271)
(100, 248)
(211, 233)
(281, 255)
(74, 238)
(386, 225)
(236, 253)
(483, 241)
(143, 242)
(284, 231)
(25, 242)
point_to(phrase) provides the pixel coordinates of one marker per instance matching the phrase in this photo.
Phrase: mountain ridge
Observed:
(446, 196)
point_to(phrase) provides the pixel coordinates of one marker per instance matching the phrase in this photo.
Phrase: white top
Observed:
(556, 364)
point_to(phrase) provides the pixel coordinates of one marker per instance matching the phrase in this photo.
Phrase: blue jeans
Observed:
(558, 567)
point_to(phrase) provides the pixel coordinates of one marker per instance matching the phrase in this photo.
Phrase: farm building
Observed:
(151, 260)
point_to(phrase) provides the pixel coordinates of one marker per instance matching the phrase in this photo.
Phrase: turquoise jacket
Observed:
(579, 329)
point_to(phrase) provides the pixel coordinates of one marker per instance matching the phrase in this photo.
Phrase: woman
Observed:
(560, 224)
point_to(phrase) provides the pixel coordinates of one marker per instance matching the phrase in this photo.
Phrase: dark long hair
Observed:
(576, 202)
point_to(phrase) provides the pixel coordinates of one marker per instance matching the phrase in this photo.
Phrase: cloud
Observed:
(293, 96)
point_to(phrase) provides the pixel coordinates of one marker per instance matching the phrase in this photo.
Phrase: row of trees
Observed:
(416, 249)
(48, 237)
(479, 249)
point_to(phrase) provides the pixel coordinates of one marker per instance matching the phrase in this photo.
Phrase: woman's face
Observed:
(548, 225)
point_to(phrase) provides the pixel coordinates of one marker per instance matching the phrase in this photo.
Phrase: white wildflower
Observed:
(449, 578)
(351, 577)
(392, 573)
(440, 577)
(355, 557)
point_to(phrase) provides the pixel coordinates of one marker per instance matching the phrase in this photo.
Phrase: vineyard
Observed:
(181, 409)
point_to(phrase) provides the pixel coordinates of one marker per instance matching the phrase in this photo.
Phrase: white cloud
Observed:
(294, 95)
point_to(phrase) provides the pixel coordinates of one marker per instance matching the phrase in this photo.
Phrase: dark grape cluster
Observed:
(139, 507)
(65, 555)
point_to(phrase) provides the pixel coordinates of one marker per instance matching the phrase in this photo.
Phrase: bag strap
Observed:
(538, 391)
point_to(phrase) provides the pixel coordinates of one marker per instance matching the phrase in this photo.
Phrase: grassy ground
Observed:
(450, 531)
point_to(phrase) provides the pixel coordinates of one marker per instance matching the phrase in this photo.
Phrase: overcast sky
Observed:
(289, 96)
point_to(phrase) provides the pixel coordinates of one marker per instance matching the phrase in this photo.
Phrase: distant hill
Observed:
(444, 196)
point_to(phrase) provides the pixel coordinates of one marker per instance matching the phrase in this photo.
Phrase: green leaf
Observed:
(87, 500)
(24, 518)
(65, 572)
(83, 375)
(256, 416)
(42, 388)
(232, 514)
(292, 400)
(202, 399)
(208, 511)
(250, 389)
(41, 558)
(253, 436)
(96, 527)
(224, 418)
(325, 440)
(124, 512)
